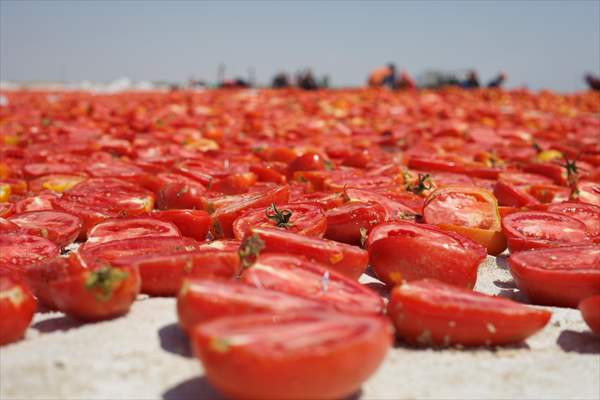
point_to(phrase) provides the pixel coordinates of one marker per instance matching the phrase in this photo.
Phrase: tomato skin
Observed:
(350, 261)
(306, 219)
(590, 310)
(560, 276)
(341, 353)
(17, 307)
(309, 161)
(163, 275)
(429, 312)
(234, 183)
(344, 223)
(7, 226)
(201, 300)
(538, 229)
(589, 192)
(307, 279)
(39, 276)
(511, 196)
(58, 227)
(180, 195)
(73, 297)
(191, 223)
(408, 251)
(395, 210)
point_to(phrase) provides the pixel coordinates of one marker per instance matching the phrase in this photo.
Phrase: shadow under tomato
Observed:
(174, 340)
(61, 323)
(510, 291)
(400, 344)
(192, 389)
(379, 288)
(579, 342)
(502, 262)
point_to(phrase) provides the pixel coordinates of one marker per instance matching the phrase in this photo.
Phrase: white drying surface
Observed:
(145, 356)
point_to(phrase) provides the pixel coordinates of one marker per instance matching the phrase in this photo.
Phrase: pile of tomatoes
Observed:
(261, 209)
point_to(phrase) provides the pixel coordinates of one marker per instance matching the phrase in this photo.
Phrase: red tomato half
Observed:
(17, 307)
(350, 261)
(7, 226)
(350, 222)
(293, 356)
(589, 214)
(590, 310)
(202, 300)
(163, 273)
(561, 276)
(191, 223)
(535, 229)
(469, 211)
(58, 227)
(312, 281)
(98, 199)
(589, 192)
(430, 312)
(20, 250)
(408, 251)
(224, 217)
(95, 294)
(118, 229)
(304, 219)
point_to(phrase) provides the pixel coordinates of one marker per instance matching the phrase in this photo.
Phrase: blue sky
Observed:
(540, 44)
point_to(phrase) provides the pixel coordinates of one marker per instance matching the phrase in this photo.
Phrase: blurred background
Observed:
(538, 44)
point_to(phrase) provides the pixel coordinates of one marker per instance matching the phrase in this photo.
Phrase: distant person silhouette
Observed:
(405, 81)
(472, 81)
(498, 81)
(281, 80)
(592, 81)
(383, 76)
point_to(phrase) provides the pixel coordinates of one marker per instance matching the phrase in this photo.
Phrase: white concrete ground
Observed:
(145, 356)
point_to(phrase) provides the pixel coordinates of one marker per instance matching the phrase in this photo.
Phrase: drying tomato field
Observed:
(299, 244)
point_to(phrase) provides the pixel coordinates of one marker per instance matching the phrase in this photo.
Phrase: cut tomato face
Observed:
(432, 313)
(395, 210)
(94, 294)
(511, 195)
(58, 183)
(293, 356)
(224, 217)
(180, 195)
(353, 220)
(119, 229)
(202, 300)
(536, 229)
(20, 250)
(43, 201)
(561, 276)
(304, 219)
(468, 211)
(191, 223)
(350, 261)
(58, 227)
(589, 214)
(7, 226)
(590, 311)
(589, 192)
(17, 307)
(312, 281)
(407, 251)
(98, 199)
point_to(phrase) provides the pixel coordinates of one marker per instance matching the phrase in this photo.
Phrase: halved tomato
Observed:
(191, 223)
(587, 213)
(129, 228)
(407, 251)
(561, 276)
(352, 221)
(429, 312)
(17, 307)
(313, 281)
(469, 211)
(590, 310)
(589, 192)
(20, 250)
(345, 259)
(58, 227)
(312, 355)
(536, 229)
(202, 300)
(304, 219)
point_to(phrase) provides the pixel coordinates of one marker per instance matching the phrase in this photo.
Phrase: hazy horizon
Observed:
(539, 44)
